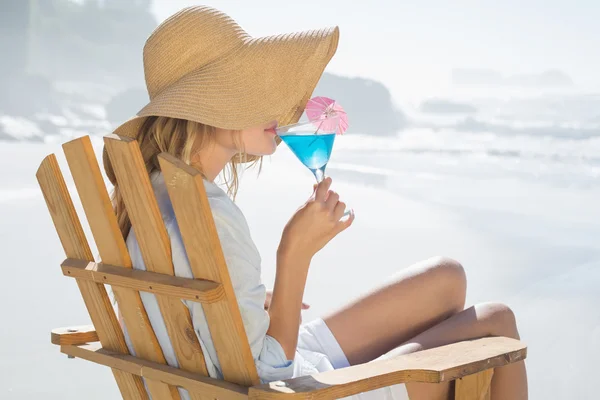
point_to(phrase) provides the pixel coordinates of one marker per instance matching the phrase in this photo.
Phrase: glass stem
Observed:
(319, 175)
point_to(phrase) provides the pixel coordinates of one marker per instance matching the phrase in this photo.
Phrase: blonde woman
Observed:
(216, 96)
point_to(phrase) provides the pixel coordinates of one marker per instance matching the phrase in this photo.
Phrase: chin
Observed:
(262, 152)
(270, 150)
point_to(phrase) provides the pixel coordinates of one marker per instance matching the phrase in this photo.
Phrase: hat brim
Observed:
(264, 79)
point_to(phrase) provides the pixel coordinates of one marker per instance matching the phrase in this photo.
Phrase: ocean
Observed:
(506, 183)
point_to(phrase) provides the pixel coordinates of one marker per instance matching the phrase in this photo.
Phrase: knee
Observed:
(450, 276)
(498, 319)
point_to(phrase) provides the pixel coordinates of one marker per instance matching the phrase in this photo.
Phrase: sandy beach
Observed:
(546, 269)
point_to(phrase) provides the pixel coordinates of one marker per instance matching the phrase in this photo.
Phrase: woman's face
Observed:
(256, 141)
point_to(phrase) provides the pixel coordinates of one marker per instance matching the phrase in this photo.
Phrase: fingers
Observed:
(304, 307)
(322, 189)
(342, 225)
(332, 203)
(332, 200)
(268, 298)
(338, 211)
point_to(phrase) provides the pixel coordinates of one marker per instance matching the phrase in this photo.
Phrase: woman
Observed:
(216, 96)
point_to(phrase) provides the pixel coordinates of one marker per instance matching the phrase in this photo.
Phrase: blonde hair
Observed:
(178, 137)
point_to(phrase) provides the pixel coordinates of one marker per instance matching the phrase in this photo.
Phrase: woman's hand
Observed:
(315, 223)
(311, 228)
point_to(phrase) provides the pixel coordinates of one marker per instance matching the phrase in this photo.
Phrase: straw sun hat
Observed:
(200, 65)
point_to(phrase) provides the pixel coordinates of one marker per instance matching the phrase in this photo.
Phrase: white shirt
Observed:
(244, 265)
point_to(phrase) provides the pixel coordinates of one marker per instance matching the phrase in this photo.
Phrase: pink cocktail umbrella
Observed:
(319, 108)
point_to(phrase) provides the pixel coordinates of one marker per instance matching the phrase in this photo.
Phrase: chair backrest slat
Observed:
(192, 210)
(75, 245)
(113, 250)
(151, 234)
(96, 201)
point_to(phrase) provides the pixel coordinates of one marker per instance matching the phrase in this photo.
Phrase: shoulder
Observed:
(228, 218)
(231, 226)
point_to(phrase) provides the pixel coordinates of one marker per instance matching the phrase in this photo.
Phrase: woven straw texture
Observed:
(200, 65)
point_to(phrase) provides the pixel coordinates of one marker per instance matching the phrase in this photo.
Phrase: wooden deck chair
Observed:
(470, 363)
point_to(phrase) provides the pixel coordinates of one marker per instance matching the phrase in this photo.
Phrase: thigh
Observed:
(419, 297)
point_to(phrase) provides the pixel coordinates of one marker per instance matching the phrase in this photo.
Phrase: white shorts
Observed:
(316, 340)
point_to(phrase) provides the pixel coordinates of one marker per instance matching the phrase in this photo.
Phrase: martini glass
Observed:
(312, 142)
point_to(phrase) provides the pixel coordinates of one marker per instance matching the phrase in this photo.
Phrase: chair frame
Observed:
(470, 363)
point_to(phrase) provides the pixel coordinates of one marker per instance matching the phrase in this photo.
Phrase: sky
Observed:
(410, 44)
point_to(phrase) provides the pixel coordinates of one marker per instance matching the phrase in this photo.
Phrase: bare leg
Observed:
(402, 314)
(488, 319)
(422, 296)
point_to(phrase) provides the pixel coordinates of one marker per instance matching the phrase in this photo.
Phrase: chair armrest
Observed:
(74, 335)
(441, 364)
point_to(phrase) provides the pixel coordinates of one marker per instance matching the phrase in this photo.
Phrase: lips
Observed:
(272, 128)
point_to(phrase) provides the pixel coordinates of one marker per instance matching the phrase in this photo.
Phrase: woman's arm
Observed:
(305, 306)
(311, 228)
(286, 303)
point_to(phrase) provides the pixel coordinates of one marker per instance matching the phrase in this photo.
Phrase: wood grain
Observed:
(113, 250)
(192, 210)
(470, 363)
(441, 364)
(155, 246)
(151, 282)
(195, 383)
(94, 295)
(74, 335)
(474, 387)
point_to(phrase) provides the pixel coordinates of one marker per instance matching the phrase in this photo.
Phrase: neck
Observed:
(211, 160)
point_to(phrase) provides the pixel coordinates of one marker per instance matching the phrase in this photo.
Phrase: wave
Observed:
(472, 124)
(567, 116)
